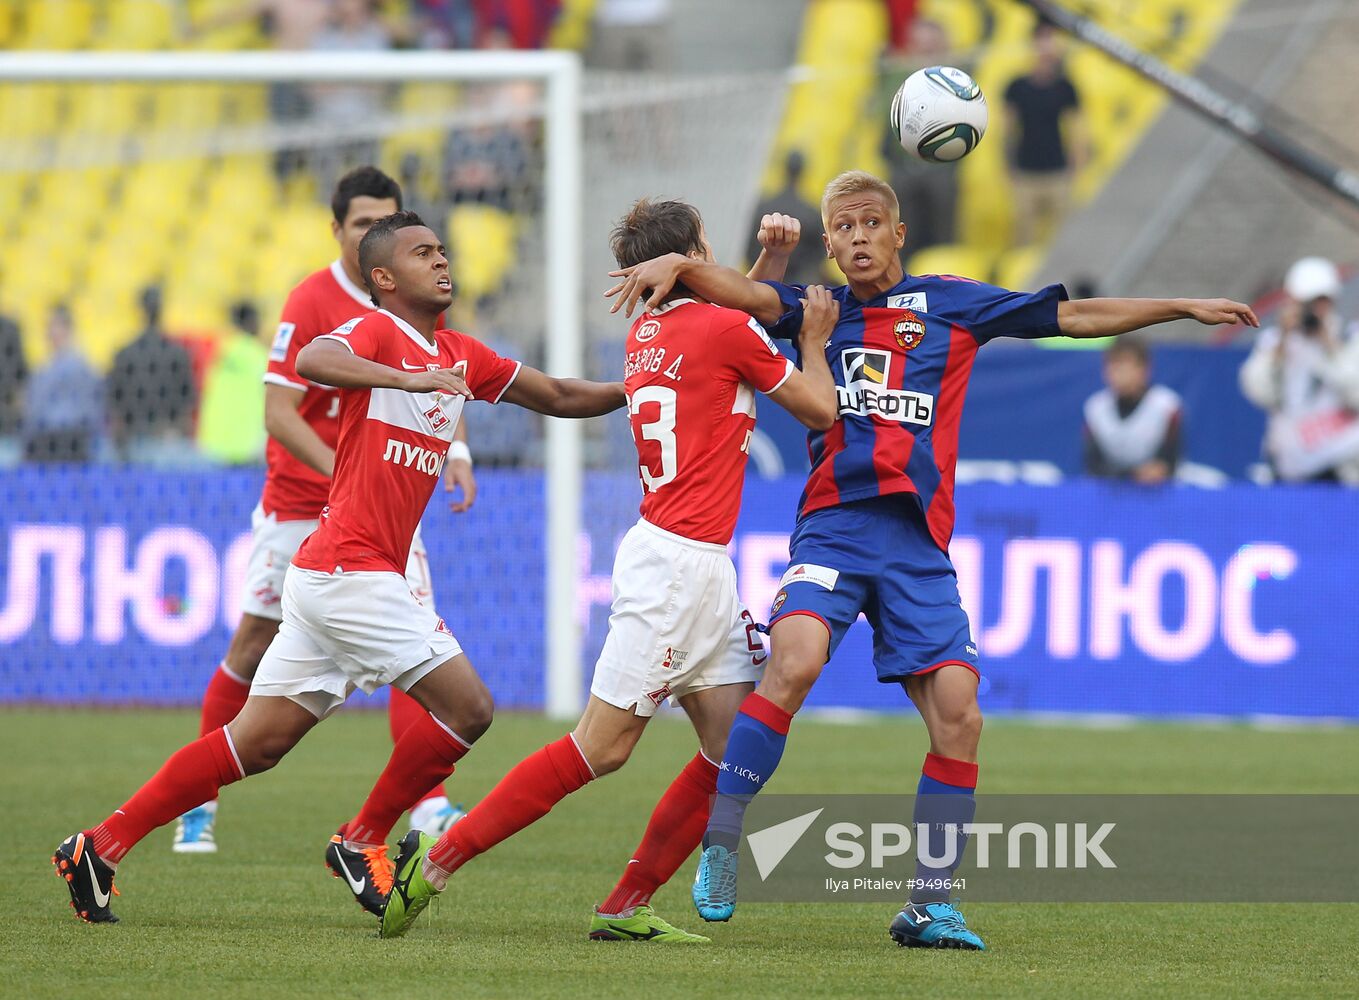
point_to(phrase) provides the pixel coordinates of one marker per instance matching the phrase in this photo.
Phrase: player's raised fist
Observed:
(779, 233)
(820, 312)
(442, 380)
(1215, 311)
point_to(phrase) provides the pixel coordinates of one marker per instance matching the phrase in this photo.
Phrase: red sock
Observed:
(189, 778)
(403, 711)
(425, 754)
(675, 829)
(222, 701)
(526, 794)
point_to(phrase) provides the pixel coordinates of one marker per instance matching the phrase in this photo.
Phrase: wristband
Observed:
(459, 452)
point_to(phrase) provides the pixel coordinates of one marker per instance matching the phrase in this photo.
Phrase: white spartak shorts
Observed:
(676, 625)
(350, 630)
(275, 544)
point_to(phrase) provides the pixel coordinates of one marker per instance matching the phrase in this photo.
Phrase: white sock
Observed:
(425, 811)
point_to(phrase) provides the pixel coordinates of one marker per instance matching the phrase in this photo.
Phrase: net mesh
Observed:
(151, 234)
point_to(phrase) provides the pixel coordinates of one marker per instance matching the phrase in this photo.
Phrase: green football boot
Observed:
(410, 892)
(643, 925)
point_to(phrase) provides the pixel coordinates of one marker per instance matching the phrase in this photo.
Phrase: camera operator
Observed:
(1305, 373)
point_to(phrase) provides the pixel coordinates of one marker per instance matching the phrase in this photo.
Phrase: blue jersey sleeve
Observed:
(991, 312)
(786, 327)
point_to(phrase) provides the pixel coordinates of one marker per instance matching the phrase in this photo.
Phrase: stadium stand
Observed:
(131, 184)
(842, 41)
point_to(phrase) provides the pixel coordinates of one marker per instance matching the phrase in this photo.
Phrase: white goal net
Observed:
(190, 192)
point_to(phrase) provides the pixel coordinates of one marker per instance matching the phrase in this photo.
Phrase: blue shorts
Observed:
(876, 557)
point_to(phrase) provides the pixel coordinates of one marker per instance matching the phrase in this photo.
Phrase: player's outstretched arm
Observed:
(779, 235)
(809, 394)
(1106, 317)
(652, 280)
(329, 362)
(564, 397)
(285, 425)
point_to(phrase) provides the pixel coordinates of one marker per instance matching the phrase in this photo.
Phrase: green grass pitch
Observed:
(263, 918)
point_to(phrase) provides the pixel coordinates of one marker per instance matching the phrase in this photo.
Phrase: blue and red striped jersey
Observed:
(901, 362)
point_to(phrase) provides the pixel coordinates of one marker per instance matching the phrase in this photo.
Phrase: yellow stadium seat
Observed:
(951, 258)
(104, 108)
(1016, 268)
(245, 103)
(105, 325)
(188, 106)
(57, 24)
(572, 29)
(137, 24)
(482, 239)
(31, 109)
(963, 22)
(9, 24)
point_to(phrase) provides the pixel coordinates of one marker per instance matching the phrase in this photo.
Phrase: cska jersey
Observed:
(901, 362)
(691, 376)
(293, 491)
(392, 443)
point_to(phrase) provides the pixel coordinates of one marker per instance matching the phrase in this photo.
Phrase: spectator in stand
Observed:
(354, 26)
(446, 24)
(1132, 428)
(526, 23)
(488, 162)
(809, 257)
(928, 192)
(151, 395)
(63, 419)
(632, 35)
(13, 376)
(231, 418)
(1045, 139)
(1304, 371)
(901, 24)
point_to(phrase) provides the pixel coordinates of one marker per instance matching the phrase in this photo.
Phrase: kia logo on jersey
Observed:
(863, 365)
(909, 331)
(647, 330)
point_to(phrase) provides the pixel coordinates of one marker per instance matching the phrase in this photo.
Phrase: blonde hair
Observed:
(857, 182)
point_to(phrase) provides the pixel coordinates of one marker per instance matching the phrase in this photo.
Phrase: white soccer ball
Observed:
(939, 114)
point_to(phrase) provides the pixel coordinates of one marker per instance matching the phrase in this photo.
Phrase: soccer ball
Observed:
(939, 114)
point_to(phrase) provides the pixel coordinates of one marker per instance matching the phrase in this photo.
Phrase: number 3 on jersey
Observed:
(661, 429)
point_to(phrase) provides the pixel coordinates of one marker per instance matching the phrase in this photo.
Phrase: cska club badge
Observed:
(909, 330)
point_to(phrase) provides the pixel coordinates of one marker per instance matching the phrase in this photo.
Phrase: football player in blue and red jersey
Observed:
(875, 519)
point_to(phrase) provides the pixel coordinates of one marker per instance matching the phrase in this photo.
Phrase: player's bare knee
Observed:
(789, 678)
(958, 727)
(263, 753)
(606, 760)
(475, 716)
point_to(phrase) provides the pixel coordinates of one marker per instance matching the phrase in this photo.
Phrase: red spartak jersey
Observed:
(392, 444)
(293, 491)
(691, 376)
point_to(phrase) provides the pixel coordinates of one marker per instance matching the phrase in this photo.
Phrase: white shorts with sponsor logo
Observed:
(677, 624)
(350, 630)
(275, 544)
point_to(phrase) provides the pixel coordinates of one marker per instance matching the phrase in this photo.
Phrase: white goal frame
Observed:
(560, 73)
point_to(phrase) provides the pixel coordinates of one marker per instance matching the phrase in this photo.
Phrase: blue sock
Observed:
(945, 795)
(753, 751)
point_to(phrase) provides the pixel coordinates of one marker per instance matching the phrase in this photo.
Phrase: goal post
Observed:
(559, 73)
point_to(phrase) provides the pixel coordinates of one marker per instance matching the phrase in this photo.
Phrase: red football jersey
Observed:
(293, 491)
(392, 444)
(691, 375)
